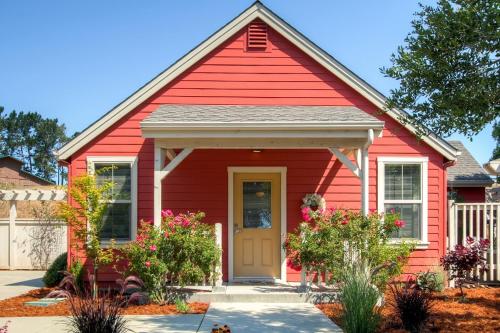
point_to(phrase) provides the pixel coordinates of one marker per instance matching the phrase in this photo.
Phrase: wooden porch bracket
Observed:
(161, 171)
(342, 156)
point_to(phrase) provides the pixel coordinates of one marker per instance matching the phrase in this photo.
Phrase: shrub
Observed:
(181, 305)
(131, 290)
(54, 274)
(181, 251)
(412, 305)
(464, 260)
(66, 288)
(99, 314)
(329, 240)
(430, 281)
(359, 298)
(76, 269)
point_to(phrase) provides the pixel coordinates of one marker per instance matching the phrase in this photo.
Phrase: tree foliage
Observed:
(448, 69)
(85, 214)
(33, 139)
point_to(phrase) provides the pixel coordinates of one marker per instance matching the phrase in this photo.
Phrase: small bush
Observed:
(181, 305)
(66, 288)
(461, 262)
(77, 270)
(430, 281)
(132, 290)
(91, 315)
(53, 276)
(412, 304)
(359, 298)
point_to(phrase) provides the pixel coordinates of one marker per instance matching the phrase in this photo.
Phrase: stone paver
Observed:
(268, 317)
(14, 283)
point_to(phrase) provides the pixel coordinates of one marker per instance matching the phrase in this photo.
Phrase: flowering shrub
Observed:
(462, 262)
(331, 239)
(181, 251)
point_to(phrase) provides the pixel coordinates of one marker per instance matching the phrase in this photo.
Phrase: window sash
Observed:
(402, 161)
(131, 197)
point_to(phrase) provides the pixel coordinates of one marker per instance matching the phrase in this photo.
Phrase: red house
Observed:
(251, 120)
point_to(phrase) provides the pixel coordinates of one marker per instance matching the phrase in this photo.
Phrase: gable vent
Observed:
(257, 36)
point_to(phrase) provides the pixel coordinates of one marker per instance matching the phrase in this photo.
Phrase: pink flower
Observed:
(344, 222)
(167, 213)
(399, 223)
(185, 222)
(167, 234)
(152, 247)
(393, 211)
(148, 264)
(305, 214)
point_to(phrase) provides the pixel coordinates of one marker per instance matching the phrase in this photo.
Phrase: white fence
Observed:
(30, 243)
(478, 220)
(26, 245)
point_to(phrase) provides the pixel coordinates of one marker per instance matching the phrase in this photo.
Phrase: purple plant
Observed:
(5, 327)
(412, 304)
(132, 289)
(461, 262)
(66, 288)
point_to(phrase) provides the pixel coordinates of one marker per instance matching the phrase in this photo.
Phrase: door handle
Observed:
(237, 229)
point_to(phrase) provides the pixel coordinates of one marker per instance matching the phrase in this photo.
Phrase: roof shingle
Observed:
(467, 171)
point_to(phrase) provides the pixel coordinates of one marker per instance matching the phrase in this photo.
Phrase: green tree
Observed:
(33, 139)
(496, 136)
(448, 69)
(85, 213)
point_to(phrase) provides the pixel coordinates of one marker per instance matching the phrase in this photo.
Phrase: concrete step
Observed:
(262, 294)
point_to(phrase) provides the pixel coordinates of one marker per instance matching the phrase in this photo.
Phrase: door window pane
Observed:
(257, 204)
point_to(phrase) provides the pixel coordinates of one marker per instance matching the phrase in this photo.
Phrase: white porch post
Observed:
(159, 159)
(161, 172)
(365, 174)
(12, 234)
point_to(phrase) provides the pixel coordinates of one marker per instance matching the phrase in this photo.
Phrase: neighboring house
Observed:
(13, 176)
(249, 122)
(467, 180)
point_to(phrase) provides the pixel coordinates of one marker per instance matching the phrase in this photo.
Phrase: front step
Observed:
(262, 294)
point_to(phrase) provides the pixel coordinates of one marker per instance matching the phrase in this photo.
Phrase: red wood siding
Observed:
(469, 194)
(283, 75)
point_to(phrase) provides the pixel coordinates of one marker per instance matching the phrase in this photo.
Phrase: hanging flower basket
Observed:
(314, 201)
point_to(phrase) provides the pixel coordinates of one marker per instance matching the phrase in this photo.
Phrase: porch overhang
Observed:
(236, 126)
(344, 130)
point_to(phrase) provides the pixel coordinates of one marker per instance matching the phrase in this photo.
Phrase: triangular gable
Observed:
(256, 11)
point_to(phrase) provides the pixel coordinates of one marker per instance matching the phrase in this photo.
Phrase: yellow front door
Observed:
(257, 225)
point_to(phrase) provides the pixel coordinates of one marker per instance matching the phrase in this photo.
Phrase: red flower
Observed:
(152, 247)
(344, 222)
(399, 223)
(148, 264)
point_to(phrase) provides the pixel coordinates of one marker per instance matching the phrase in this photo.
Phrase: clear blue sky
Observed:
(75, 60)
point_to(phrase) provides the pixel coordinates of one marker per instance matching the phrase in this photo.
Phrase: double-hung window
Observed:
(402, 188)
(120, 220)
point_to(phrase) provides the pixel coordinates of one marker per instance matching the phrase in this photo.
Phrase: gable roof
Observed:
(257, 10)
(467, 171)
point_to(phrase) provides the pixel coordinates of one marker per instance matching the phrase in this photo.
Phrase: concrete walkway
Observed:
(268, 317)
(241, 317)
(15, 283)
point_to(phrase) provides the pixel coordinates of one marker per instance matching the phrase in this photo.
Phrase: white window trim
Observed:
(423, 242)
(91, 160)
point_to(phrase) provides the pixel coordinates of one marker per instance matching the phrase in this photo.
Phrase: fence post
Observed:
(452, 229)
(12, 234)
(218, 241)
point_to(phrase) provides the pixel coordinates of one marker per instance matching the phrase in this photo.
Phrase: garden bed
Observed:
(15, 307)
(481, 313)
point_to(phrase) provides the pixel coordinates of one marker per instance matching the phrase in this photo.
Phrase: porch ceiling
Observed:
(223, 121)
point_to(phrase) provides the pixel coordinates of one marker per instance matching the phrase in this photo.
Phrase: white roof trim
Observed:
(257, 10)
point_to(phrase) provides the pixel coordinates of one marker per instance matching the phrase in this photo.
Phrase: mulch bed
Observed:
(14, 307)
(481, 312)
